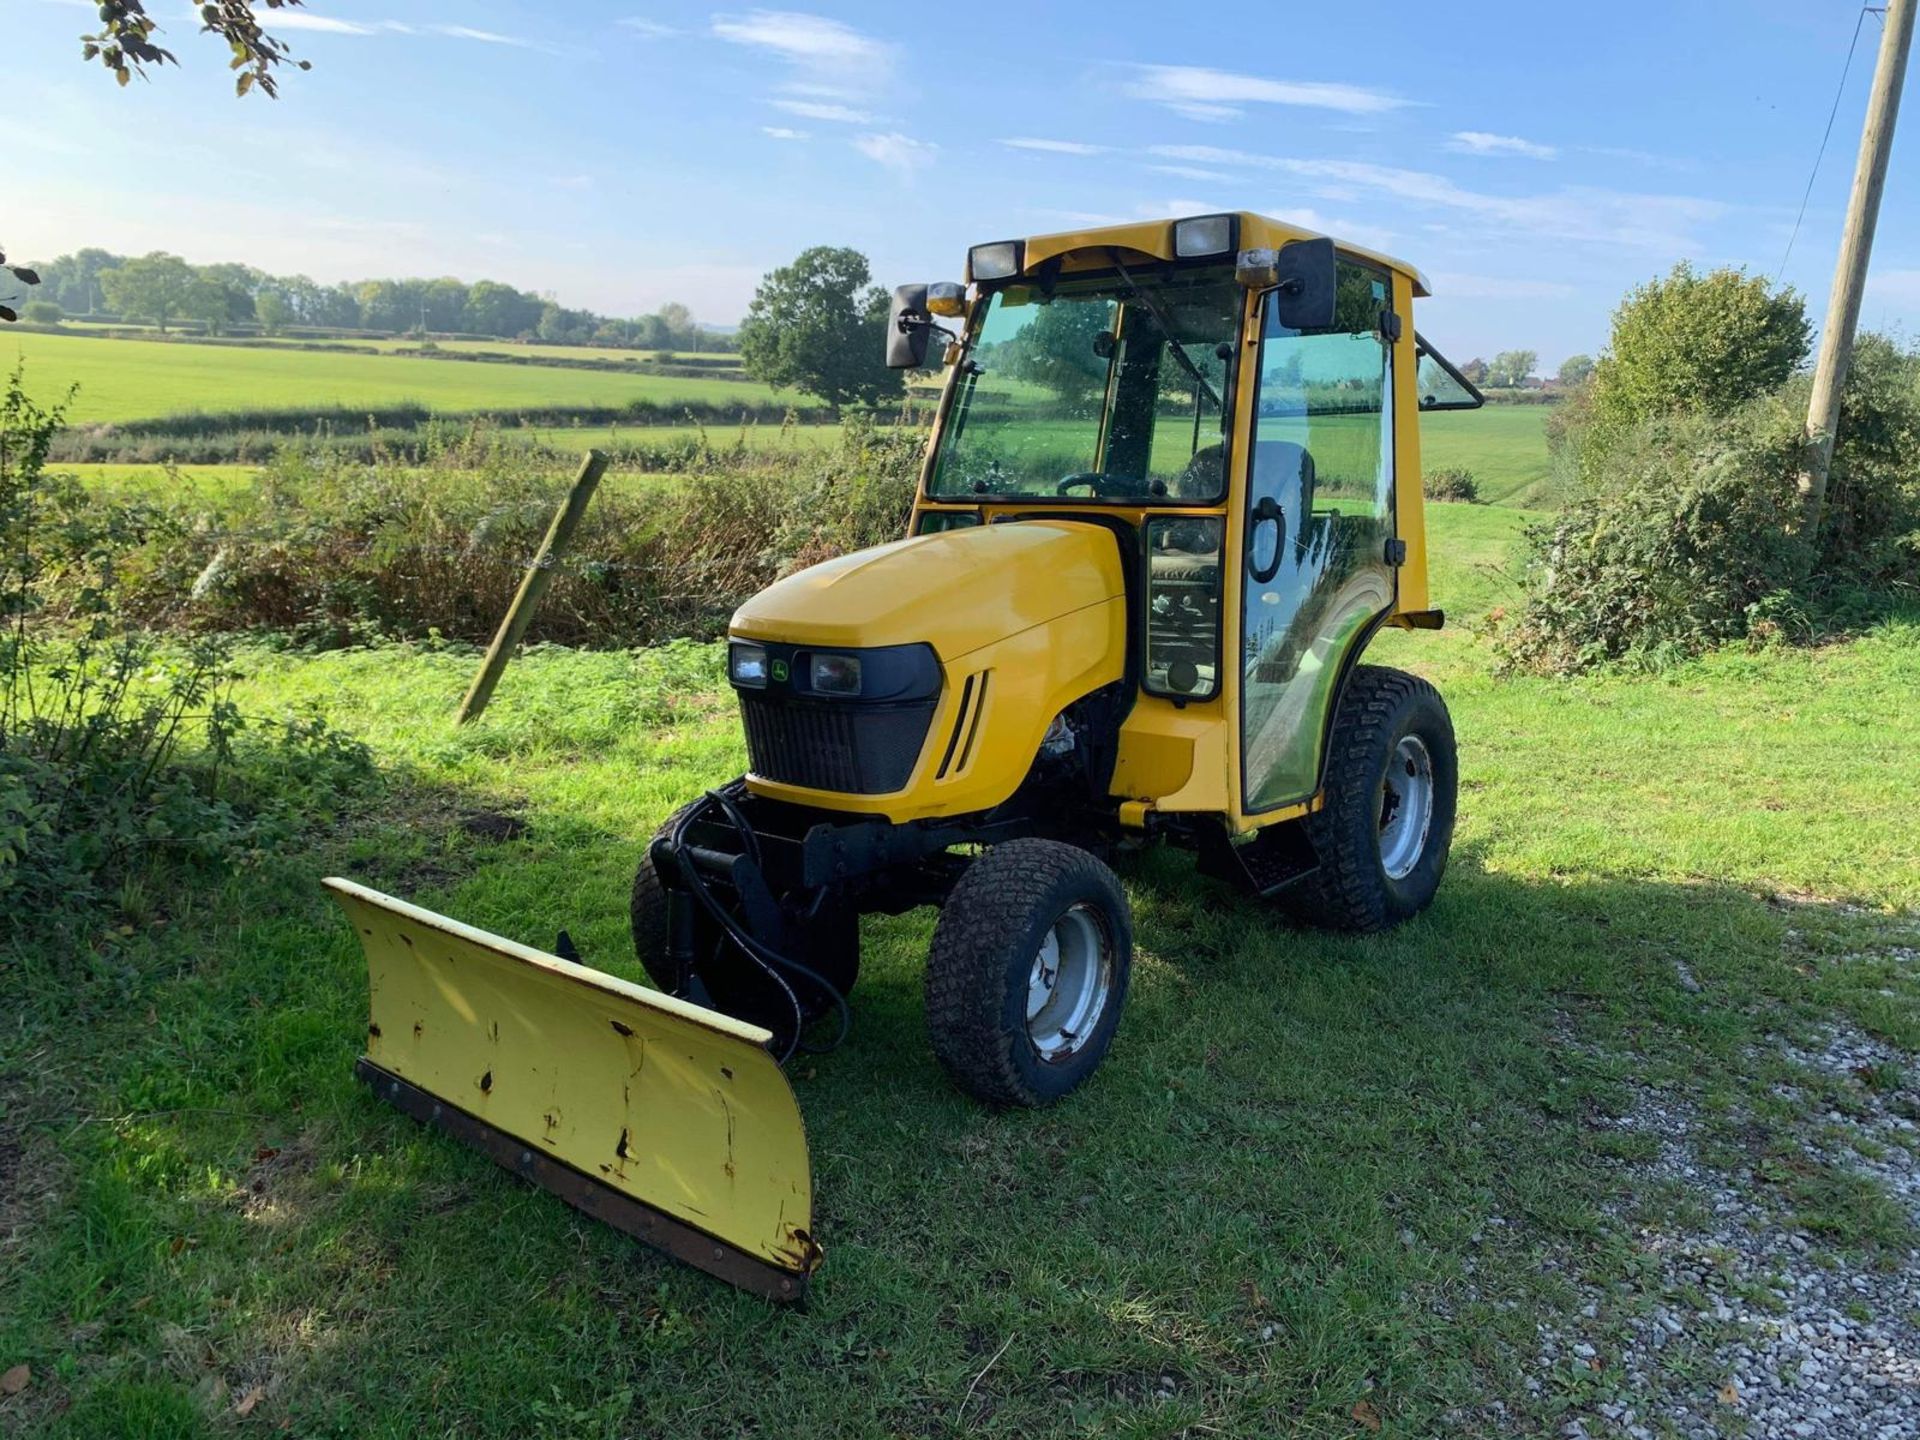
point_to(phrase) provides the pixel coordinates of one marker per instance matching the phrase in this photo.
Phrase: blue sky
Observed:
(1535, 160)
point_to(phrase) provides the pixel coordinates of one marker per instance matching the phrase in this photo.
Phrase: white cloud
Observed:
(1894, 287)
(1354, 232)
(1203, 94)
(1055, 147)
(1480, 142)
(1191, 172)
(486, 37)
(808, 40)
(819, 110)
(1174, 209)
(896, 151)
(781, 132)
(1456, 286)
(286, 19)
(325, 24)
(645, 28)
(1581, 213)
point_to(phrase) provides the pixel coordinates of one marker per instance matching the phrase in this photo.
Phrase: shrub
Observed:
(1688, 532)
(858, 494)
(1687, 535)
(329, 550)
(1454, 483)
(42, 312)
(1697, 344)
(119, 755)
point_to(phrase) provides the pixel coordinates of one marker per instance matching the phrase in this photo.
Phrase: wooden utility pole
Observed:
(533, 587)
(1856, 247)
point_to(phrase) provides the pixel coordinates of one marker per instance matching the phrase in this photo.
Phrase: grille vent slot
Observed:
(966, 726)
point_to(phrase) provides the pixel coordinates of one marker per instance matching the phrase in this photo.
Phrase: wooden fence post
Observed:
(533, 586)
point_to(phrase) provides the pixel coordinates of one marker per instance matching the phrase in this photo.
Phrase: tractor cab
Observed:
(1234, 398)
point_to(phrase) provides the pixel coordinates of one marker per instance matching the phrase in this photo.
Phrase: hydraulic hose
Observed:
(768, 959)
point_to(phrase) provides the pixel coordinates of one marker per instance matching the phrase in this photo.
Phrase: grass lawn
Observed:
(137, 379)
(406, 342)
(1322, 1186)
(756, 435)
(1505, 446)
(160, 481)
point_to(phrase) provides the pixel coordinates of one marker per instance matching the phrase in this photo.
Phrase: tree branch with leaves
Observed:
(126, 47)
(13, 280)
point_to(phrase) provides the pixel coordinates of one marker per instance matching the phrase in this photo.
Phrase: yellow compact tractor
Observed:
(1172, 491)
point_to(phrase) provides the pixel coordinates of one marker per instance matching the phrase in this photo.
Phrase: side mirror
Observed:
(1306, 271)
(1266, 540)
(909, 328)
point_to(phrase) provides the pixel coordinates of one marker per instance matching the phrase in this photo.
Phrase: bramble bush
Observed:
(121, 758)
(1451, 484)
(1688, 533)
(324, 549)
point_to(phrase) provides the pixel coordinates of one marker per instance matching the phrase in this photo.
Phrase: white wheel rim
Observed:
(1069, 983)
(1406, 807)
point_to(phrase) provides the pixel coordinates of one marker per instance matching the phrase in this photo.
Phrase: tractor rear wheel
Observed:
(1028, 972)
(1383, 834)
(738, 985)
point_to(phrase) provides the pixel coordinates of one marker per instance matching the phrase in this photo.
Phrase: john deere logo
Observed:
(780, 671)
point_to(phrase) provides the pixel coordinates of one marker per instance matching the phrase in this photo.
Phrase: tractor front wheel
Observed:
(1384, 830)
(1028, 972)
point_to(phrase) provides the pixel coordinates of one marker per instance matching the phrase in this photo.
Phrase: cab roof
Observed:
(1154, 239)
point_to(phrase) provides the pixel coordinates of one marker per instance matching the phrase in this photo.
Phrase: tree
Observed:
(444, 300)
(1475, 370)
(819, 325)
(155, 287)
(223, 295)
(125, 42)
(1575, 369)
(43, 312)
(650, 333)
(73, 281)
(382, 306)
(1701, 343)
(496, 309)
(206, 301)
(677, 330)
(270, 307)
(1511, 368)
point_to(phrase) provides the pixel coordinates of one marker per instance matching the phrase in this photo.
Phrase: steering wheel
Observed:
(1095, 480)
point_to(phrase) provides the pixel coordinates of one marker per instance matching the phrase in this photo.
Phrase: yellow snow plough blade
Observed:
(666, 1120)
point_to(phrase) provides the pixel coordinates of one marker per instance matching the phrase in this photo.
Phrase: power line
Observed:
(1826, 135)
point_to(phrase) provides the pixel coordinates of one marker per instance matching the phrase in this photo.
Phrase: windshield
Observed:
(1110, 389)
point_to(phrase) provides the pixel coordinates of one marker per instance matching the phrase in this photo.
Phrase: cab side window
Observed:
(1319, 516)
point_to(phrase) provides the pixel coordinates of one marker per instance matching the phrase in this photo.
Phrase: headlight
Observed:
(1206, 235)
(834, 675)
(747, 665)
(997, 261)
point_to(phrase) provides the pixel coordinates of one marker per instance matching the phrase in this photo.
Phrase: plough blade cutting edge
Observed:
(669, 1121)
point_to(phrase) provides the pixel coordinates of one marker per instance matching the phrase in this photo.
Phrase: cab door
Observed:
(1317, 572)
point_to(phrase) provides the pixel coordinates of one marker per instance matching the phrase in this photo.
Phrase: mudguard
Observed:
(669, 1121)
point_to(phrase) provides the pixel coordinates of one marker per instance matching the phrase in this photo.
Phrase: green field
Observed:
(1505, 446)
(390, 344)
(135, 379)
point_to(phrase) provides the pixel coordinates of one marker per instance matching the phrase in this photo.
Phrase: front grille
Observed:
(846, 747)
